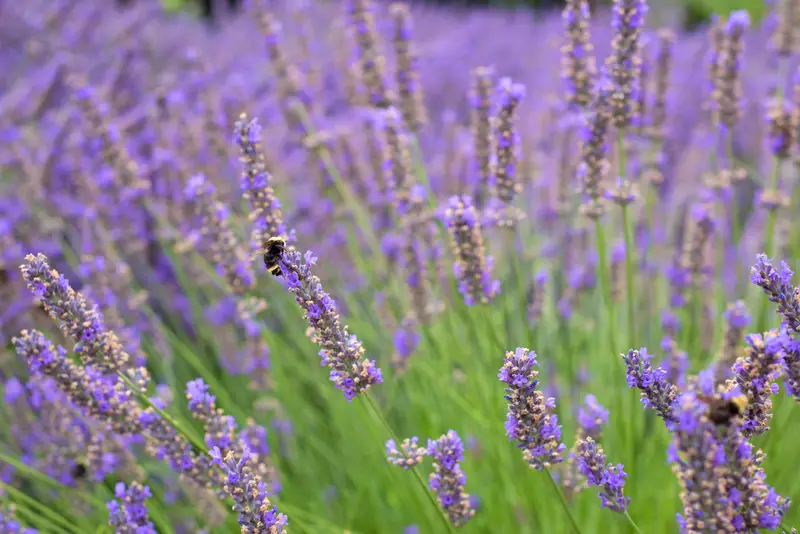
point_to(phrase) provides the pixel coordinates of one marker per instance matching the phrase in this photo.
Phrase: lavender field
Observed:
(370, 268)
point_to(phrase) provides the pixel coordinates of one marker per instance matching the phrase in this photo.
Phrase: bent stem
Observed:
(431, 498)
(563, 502)
(633, 523)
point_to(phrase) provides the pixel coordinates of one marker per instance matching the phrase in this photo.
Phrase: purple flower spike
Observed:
(341, 351)
(447, 480)
(778, 287)
(530, 419)
(657, 392)
(128, 514)
(609, 478)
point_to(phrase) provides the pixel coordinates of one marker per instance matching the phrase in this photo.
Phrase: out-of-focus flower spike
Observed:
(472, 268)
(507, 183)
(371, 60)
(214, 235)
(407, 70)
(407, 455)
(594, 164)
(625, 63)
(578, 68)
(736, 320)
(786, 38)
(728, 83)
(480, 98)
(128, 514)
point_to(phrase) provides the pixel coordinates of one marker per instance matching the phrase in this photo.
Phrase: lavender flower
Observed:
(624, 64)
(578, 68)
(341, 352)
(656, 391)
(483, 139)
(592, 417)
(786, 39)
(371, 61)
(9, 523)
(128, 514)
(754, 374)
(220, 429)
(791, 362)
(724, 486)
(508, 140)
(472, 268)
(781, 128)
(291, 86)
(407, 70)
(408, 455)
(397, 159)
(658, 115)
(267, 216)
(447, 480)
(594, 161)
(736, 320)
(215, 236)
(535, 297)
(78, 319)
(609, 478)
(778, 286)
(530, 419)
(257, 515)
(728, 83)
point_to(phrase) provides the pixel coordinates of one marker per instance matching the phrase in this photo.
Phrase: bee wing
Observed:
(256, 254)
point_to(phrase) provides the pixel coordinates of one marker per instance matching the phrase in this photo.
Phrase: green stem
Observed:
(196, 443)
(605, 287)
(629, 290)
(20, 496)
(563, 502)
(431, 498)
(626, 230)
(633, 523)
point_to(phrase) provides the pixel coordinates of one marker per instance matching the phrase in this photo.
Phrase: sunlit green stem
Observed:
(564, 503)
(633, 523)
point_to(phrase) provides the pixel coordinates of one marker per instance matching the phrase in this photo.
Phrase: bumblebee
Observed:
(721, 411)
(79, 471)
(271, 253)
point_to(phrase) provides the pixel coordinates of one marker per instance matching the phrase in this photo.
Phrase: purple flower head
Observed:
(610, 479)
(408, 455)
(724, 485)
(128, 513)
(592, 416)
(447, 480)
(472, 267)
(657, 392)
(340, 351)
(778, 287)
(530, 419)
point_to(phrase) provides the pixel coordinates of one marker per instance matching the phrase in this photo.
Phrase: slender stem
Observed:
(633, 523)
(563, 502)
(605, 287)
(626, 230)
(629, 290)
(431, 498)
(45, 511)
(196, 443)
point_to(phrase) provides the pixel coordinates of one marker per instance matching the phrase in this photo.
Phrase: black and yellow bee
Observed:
(271, 252)
(721, 411)
(79, 471)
